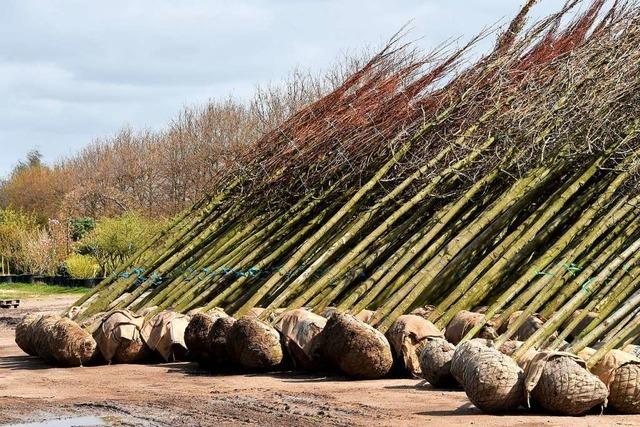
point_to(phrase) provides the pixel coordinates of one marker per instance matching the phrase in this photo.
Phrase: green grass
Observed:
(36, 290)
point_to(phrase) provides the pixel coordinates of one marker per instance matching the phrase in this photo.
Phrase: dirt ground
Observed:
(180, 394)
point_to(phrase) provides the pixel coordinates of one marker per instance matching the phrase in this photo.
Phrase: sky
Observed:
(72, 71)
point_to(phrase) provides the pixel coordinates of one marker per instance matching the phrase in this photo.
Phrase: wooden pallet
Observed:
(9, 303)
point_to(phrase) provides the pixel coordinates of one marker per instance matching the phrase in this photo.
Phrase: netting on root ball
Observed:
(494, 382)
(218, 347)
(56, 339)
(70, 345)
(560, 383)
(462, 356)
(620, 372)
(198, 336)
(435, 362)
(25, 334)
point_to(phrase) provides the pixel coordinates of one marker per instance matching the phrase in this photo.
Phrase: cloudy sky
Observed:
(72, 71)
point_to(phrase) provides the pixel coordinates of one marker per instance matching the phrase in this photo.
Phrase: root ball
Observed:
(254, 344)
(494, 382)
(356, 348)
(435, 362)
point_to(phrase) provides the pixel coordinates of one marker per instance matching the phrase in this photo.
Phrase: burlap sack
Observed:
(560, 383)
(301, 333)
(424, 311)
(364, 315)
(407, 336)
(528, 328)
(164, 333)
(632, 349)
(510, 347)
(620, 371)
(119, 337)
(463, 322)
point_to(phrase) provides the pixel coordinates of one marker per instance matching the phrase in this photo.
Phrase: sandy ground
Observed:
(182, 395)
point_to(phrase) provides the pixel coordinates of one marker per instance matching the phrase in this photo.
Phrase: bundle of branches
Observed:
(509, 182)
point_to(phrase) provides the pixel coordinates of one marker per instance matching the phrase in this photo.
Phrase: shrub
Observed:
(114, 240)
(13, 224)
(37, 252)
(82, 266)
(79, 227)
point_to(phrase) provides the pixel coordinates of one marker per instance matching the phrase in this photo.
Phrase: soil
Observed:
(180, 394)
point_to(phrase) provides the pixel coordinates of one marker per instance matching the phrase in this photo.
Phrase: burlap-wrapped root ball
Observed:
(463, 322)
(494, 382)
(357, 349)
(632, 349)
(364, 315)
(196, 337)
(119, 338)
(435, 362)
(424, 311)
(164, 334)
(254, 344)
(301, 331)
(42, 333)
(218, 348)
(55, 339)
(624, 390)
(620, 371)
(510, 347)
(528, 327)
(70, 345)
(24, 334)
(560, 383)
(407, 336)
(462, 357)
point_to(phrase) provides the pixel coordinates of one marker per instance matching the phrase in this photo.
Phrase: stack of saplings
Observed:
(501, 193)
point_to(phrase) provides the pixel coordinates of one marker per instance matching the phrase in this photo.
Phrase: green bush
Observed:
(79, 227)
(14, 226)
(114, 240)
(82, 266)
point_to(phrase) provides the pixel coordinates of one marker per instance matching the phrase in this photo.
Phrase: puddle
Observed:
(65, 422)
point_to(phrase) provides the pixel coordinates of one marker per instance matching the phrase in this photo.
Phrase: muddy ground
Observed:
(180, 394)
